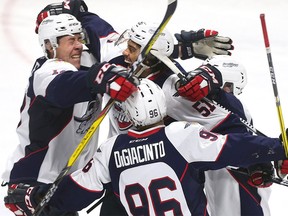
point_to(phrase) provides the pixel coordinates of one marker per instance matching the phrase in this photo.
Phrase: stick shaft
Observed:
(274, 83)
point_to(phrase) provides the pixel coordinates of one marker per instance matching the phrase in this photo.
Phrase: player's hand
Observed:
(22, 199)
(284, 167)
(203, 44)
(281, 168)
(200, 83)
(113, 80)
(280, 136)
(212, 46)
(261, 175)
(73, 7)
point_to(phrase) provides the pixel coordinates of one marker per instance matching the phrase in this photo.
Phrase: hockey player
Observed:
(213, 117)
(99, 41)
(60, 103)
(225, 187)
(148, 167)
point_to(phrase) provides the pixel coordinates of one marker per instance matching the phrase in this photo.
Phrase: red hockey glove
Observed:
(284, 167)
(202, 44)
(22, 199)
(281, 168)
(111, 79)
(72, 7)
(261, 175)
(206, 80)
(196, 89)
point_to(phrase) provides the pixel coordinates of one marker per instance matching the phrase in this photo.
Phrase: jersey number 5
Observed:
(204, 108)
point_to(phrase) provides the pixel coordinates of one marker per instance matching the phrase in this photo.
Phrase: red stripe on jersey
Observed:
(145, 133)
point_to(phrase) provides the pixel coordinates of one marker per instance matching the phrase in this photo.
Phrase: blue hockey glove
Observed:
(73, 7)
(22, 199)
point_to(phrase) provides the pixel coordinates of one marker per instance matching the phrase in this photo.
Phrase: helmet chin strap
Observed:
(142, 68)
(55, 46)
(151, 63)
(54, 52)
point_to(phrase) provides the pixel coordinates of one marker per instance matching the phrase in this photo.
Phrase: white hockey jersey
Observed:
(51, 126)
(149, 170)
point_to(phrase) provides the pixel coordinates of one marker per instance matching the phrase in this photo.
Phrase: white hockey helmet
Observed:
(142, 32)
(55, 26)
(233, 72)
(147, 105)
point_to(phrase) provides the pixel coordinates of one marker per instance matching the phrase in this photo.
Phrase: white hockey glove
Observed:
(202, 44)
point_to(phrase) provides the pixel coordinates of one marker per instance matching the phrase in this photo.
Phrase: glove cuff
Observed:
(97, 78)
(186, 50)
(175, 53)
(100, 76)
(212, 74)
(29, 198)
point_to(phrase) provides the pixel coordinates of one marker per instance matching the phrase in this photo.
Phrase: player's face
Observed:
(70, 49)
(132, 52)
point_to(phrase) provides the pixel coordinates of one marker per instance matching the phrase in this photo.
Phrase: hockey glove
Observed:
(111, 79)
(200, 82)
(261, 175)
(202, 44)
(22, 199)
(280, 136)
(282, 166)
(72, 7)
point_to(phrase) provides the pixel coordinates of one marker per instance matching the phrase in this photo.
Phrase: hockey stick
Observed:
(274, 179)
(171, 7)
(274, 83)
(169, 63)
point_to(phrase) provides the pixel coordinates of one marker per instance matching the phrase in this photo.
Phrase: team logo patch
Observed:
(89, 116)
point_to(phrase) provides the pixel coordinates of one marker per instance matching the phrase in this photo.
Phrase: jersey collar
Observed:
(145, 133)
